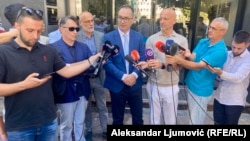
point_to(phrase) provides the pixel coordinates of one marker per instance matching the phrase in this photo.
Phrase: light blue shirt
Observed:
(91, 43)
(54, 36)
(201, 82)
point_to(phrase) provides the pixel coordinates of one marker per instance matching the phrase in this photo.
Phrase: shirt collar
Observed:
(122, 33)
(174, 34)
(17, 46)
(86, 37)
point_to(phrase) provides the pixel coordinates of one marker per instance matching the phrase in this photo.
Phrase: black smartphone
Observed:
(207, 63)
(47, 74)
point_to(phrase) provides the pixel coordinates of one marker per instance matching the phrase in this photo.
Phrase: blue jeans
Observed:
(47, 132)
(72, 117)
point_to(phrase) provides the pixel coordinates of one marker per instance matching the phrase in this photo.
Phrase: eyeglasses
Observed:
(213, 28)
(125, 19)
(73, 28)
(30, 12)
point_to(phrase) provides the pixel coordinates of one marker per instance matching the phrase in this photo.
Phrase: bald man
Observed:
(162, 86)
(93, 39)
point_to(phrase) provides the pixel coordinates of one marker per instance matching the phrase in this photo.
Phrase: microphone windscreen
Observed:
(173, 49)
(115, 50)
(135, 55)
(160, 45)
(149, 53)
(168, 45)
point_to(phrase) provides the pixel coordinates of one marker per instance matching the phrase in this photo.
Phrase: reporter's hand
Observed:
(154, 63)
(215, 70)
(32, 80)
(93, 58)
(142, 65)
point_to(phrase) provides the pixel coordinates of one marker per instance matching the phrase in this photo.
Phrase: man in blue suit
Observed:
(123, 80)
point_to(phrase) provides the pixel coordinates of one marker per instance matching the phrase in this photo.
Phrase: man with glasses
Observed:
(10, 12)
(72, 101)
(93, 39)
(210, 51)
(126, 80)
(29, 101)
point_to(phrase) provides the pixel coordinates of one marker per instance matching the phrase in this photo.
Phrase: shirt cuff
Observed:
(124, 75)
(135, 74)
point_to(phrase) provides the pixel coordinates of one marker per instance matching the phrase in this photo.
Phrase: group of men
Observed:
(30, 97)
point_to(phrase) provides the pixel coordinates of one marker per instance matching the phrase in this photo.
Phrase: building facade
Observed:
(188, 13)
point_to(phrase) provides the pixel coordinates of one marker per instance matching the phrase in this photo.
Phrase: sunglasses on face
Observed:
(73, 28)
(30, 12)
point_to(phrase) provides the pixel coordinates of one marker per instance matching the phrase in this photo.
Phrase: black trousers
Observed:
(226, 114)
(131, 97)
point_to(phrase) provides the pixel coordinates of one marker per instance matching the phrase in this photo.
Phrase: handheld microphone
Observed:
(107, 51)
(150, 55)
(135, 55)
(172, 51)
(115, 50)
(160, 46)
(168, 46)
(132, 61)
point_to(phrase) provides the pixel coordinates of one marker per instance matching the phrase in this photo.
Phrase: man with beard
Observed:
(29, 101)
(93, 39)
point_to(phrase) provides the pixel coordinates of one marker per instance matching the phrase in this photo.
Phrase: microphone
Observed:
(135, 55)
(172, 48)
(160, 46)
(150, 55)
(168, 46)
(107, 51)
(132, 61)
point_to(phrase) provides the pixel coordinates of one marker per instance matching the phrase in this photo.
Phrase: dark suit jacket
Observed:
(98, 37)
(115, 66)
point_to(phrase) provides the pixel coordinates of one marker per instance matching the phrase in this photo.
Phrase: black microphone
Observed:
(132, 61)
(172, 49)
(107, 51)
(150, 55)
(167, 50)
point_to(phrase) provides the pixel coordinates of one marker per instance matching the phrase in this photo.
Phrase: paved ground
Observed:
(182, 116)
(182, 119)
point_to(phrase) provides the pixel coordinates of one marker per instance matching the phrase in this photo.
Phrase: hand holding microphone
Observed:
(134, 58)
(150, 58)
(170, 48)
(107, 51)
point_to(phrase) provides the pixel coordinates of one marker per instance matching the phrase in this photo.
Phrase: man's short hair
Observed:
(10, 12)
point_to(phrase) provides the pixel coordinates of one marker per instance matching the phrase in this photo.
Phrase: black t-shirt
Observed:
(32, 107)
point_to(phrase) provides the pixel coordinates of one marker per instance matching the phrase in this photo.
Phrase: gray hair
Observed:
(223, 21)
(63, 20)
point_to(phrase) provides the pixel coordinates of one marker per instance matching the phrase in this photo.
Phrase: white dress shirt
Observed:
(232, 88)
